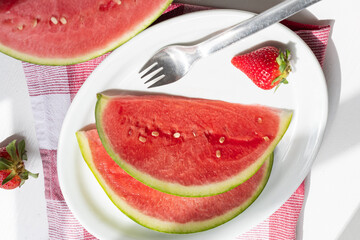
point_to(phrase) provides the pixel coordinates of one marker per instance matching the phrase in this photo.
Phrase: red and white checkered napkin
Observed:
(52, 89)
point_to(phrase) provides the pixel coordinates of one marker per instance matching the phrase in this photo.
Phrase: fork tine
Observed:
(162, 81)
(157, 75)
(152, 72)
(148, 66)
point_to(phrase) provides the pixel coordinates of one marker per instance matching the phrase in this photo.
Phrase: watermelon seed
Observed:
(266, 138)
(142, 139)
(222, 140)
(54, 20)
(35, 22)
(194, 134)
(118, 2)
(218, 153)
(176, 135)
(63, 20)
(259, 120)
(155, 133)
(21, 27)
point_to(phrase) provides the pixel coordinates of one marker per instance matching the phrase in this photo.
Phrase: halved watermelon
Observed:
(188, 147)
(64, 32)
(164, 212)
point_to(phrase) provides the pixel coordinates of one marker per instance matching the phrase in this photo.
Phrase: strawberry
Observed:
(12, 170)
(267, 67)
(12, 183)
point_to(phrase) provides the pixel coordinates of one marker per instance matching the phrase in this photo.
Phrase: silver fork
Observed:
(172, 62)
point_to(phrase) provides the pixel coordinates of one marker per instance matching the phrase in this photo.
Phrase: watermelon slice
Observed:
(62, 32)
(188, 147)
(164, 212)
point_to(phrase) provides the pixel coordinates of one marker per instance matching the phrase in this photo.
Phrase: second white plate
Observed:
(213, 78)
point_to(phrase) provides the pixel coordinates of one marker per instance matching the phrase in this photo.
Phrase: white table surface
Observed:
(332, 205)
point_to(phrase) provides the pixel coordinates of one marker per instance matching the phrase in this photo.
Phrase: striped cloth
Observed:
(52, 89)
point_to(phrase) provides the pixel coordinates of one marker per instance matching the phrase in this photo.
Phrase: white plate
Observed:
(213, 78)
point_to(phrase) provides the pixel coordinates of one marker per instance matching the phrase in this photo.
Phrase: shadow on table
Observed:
(351, 231)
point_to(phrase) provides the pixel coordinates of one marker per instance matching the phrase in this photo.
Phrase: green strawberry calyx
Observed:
(15, 162)
(283, 59)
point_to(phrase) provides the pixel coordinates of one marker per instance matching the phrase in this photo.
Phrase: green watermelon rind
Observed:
(164, 226)
(83, 58)
(177, 189)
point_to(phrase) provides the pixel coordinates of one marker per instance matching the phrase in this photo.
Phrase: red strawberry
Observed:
(12, 170)
(267, 67)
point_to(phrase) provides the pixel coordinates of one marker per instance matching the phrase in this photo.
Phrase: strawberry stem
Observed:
(283, 59)
(9, 177)
(34, 175)
(11, 149)
(4, 164)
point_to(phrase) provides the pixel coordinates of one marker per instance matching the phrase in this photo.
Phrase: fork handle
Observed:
(252, 25)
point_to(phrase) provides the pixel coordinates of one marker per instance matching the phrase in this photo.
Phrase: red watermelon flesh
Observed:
(185, 146)
(161, 211)
(62, 32)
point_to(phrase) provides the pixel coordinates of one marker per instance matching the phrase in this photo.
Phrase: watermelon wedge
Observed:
(62, 32)
(185, 146)
(164, 212)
